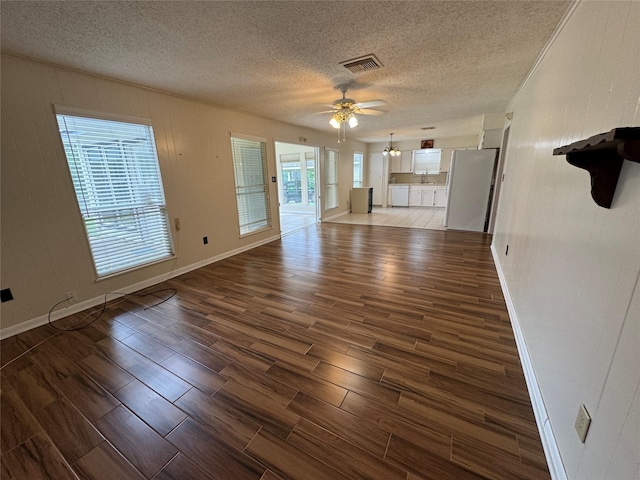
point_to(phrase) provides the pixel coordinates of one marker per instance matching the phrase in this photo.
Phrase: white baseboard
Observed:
(549, 444)
(547, 437)
(99, 300)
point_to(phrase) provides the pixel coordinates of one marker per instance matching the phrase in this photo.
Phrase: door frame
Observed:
(283, 148)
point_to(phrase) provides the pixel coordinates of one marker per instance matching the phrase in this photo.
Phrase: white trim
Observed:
(252, 138)
(93, 302)
(100, 115)
(549, 444)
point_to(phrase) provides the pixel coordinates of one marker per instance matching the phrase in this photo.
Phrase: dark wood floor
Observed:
(339, 352)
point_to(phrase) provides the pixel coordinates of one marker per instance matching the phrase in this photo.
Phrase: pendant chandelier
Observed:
(391, 150)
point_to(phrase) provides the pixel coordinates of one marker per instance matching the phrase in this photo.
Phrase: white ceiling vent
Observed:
(362, 64)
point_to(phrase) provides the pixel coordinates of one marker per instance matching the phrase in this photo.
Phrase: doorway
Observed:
(498, 178)
(376, 179)
(297, 166)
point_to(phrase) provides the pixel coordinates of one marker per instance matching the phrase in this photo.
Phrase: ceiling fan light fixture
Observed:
(345, 110)
(391, 150)
(341, 119)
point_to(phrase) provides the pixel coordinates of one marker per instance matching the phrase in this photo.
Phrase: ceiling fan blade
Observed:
(369, 111)
(371, 104)
(326, 111)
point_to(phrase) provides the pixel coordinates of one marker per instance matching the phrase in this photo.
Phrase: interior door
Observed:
(375, 177)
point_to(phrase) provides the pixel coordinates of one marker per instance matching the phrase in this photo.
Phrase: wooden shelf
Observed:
(602, 156)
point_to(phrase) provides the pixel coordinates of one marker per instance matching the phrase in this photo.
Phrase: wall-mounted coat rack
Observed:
(602, 156)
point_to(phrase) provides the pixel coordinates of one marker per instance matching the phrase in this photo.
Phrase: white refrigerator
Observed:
(470, 189)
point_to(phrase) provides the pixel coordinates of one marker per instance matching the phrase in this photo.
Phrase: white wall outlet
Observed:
(582, 423)
(72, 296)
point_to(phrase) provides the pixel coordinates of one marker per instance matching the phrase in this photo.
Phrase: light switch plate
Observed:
(582, 423)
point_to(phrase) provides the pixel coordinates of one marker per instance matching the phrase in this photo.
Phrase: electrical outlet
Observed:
(72, 296)
(582, 423)
(6, 295)
(176, 222)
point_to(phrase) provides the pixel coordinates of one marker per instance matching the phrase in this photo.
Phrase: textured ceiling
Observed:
(446, 63)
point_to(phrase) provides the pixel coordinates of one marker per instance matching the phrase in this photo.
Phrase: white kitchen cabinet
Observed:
(407, 161)
(401, 163)
(415, 197)
(422, 195)
(441, 197)
(394, 164)
(427, 196)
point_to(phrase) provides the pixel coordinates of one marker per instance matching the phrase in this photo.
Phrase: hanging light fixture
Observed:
(391, 150)
(345, 110)
(340, 120)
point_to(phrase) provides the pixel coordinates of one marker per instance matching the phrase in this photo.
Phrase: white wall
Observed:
(44, 249)
(572, 269)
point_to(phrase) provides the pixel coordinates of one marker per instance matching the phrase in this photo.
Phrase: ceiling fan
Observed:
(344, 112)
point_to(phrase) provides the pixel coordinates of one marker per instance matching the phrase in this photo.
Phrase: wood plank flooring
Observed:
(338, 352)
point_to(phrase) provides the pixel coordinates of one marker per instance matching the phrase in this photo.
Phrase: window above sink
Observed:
(426, 161)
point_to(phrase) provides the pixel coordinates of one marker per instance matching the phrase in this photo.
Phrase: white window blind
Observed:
(252, 192)
(330, 178)
(116, 176)
(426, 161)
(357, 169)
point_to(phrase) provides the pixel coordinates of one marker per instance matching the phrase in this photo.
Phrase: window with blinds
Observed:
(330, 179)
(426, 161)
(357, 169)
(116, 176)
(252, 189)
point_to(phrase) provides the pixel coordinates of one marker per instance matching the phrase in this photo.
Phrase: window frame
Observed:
(265, 223)
(331, 182)
(358, 180)
(423, 159)
(118, 189)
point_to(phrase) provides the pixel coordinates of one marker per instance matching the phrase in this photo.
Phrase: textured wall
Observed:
(573, 267)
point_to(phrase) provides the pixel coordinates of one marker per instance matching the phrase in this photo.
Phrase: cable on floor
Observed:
(104, 307)
(73, 327)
